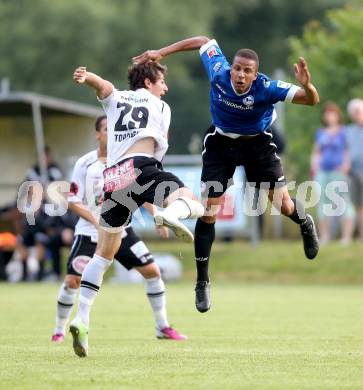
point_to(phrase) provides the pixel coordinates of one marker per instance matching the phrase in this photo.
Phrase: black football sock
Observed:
(40, 275)
(204, 235)
(25, 269)
(298, 215)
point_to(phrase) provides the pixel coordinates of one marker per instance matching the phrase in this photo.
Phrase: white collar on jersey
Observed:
(149, 93)
(239, 94)
(143, 90)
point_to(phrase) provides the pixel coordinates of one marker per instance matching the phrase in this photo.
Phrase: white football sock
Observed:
(66, 299)
(184, 208)
(155, 290)
(90, 284)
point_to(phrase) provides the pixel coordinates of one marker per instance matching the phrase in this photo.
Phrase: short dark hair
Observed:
(137, 73)
(98, 122)
(249, 54)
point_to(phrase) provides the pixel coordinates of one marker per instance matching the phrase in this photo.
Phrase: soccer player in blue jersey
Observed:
(242, 107)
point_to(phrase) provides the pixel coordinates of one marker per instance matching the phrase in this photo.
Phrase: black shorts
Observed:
(33, 234)
(221, 156)
(133, 182)
(132, 253)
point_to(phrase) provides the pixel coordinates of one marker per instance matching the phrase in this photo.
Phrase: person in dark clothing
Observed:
(60, 233)
(36, 235)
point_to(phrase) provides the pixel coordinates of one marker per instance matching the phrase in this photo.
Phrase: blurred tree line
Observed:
(334, 50)
(41, 42)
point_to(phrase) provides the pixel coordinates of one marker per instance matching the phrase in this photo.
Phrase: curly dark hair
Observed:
(137, 73)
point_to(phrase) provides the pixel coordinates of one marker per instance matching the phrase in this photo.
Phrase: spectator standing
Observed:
(354, 136)
(330, 162)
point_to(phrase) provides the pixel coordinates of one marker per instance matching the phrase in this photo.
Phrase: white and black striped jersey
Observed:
(134, 115)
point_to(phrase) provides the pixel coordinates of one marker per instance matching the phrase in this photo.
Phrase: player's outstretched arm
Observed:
(82, 211)
(308, 94)
(103, 88)
(184, 45)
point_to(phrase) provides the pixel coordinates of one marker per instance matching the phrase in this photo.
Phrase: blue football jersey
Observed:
(244, 114)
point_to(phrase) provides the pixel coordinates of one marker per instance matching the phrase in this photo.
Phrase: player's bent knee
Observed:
(149, 271)
(211, 208)
(209, 219)
(108, 243)
(72, 281)
(287, 208)
(107, 251)
(106, 254)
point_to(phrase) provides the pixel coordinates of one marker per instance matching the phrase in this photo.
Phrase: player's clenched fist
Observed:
(79, 75)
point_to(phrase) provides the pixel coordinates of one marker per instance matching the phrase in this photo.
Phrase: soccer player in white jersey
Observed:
(242, 107)
(85, 199)
(137, 129)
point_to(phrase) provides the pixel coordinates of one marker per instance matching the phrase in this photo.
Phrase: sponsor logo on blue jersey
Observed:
(217, 67)
(212, 51)
(283, 84)
(234, 105)
(249, 100)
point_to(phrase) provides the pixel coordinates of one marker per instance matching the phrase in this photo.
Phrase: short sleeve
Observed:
(77, 187)
(281, 91)
(213, 59)
(107, 102)
(318, 136)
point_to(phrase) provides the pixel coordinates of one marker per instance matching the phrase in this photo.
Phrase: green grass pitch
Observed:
(257, 336)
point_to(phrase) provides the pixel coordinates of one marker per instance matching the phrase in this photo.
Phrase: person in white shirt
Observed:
(85, 199)
(137, 130)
